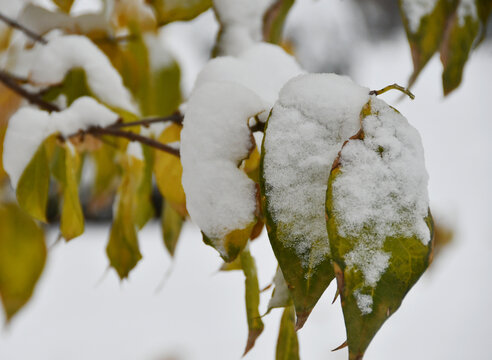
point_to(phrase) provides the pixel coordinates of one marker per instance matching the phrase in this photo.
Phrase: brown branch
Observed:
(176, 118)
(10, 81)
(29, 33)
(99, 131)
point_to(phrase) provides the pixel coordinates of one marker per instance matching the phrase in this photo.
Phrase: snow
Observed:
(263, 68)
(62, 54)
(415, 10)
(364, 302)
(159, 56)
(281, 293)
(314, 115)
(381, 190)
(466, 8)
(215, 138)
(241, 22)
(134, 149)
(29, 127)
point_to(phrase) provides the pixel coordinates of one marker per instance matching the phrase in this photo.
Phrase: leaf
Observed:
(22, 258)
(233, 265)
(252, 295)
(484, 8)
(65, 170)
(74, 85)
(232, 244)
(145, 207)
(280, 295)
(457, 43)
(9, 102)
(172, 222)
(426, 32)
(378, 260)
(168, 171)
(105, 177)
(122, 249)
(287, 343)
(33, 186)
(274, 19)
(64, 5)
(178, 10)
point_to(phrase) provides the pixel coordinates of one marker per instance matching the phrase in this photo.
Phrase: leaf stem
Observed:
(29, 33)
(393, 87)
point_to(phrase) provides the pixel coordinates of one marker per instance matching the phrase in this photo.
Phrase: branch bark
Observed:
(29, 33)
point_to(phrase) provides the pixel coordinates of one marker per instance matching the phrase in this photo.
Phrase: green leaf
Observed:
(306, 280)
(232, 266)
(287, 343)
(457, 44)
(65, 169)
(64, 5)
(367, 306)
(33, 186)
(426, 38)
(484, 8)
(22, 257)
(252, 295)
(172, 222)
(178, 10)
(274, 19)
(122, 249)
(74, 85)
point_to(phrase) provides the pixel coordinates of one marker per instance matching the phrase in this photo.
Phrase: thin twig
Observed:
(29, 33)
(176, 118)
(33, 98)
(99, 131)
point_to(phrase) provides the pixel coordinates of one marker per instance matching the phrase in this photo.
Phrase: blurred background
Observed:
(184, 309)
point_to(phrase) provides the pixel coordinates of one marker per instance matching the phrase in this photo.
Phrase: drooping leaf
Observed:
(74, 85)
(484, 9)
(232, 266)
(294, 171)
(252, 295)
(274, 19)
(172, 222)
(425, 27)
(287, 343)
(65, 170)
(122, 249)
(178, 10)
(105, 177)
(9, 102)
(460, 36)
(33, 186)
(145, 207)
(64, 5)
(378, 221)
(168, 171)
(22, 257)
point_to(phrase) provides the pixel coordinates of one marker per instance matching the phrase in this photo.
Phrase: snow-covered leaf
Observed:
(314, 115)
(22, 257)
(378, 221)
(287, 343)
(178, 10)
(171, 222)
(252, 296)
(461, 32)
(65, 170)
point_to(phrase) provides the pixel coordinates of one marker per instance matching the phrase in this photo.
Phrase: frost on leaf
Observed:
(314, 115)
(378, 220)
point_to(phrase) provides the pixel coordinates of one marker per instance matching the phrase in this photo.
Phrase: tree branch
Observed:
(99, 131)
(176, 118)
(29, 33)
(9, 81)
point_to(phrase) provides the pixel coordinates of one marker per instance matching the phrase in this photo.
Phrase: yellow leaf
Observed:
(22, 257)
(33, 186)
(179, 10)
(64, 5)
(65, 170)
(172, 223)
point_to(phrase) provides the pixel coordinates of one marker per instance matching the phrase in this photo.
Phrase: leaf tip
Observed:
(301, 319)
